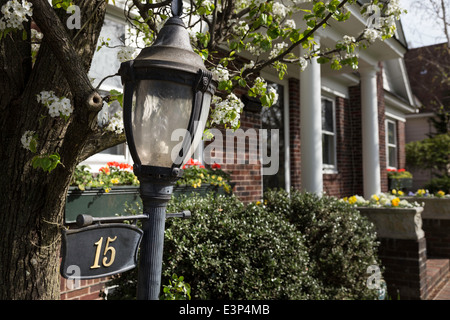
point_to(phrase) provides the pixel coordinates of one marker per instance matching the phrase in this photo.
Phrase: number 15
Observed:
(98, 244)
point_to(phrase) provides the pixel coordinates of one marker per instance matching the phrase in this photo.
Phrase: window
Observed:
(105, 63)
(328, 135)
(391, 143)
(273, 118)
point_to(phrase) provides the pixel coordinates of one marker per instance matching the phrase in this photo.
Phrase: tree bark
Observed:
(31, 200)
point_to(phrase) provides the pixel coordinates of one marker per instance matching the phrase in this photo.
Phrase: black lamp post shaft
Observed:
(150, 264)
(155, 195)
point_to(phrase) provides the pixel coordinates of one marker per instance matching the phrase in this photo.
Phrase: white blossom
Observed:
(115, 123)
(348, 40)
(221, 73)
(126, 54)
(15, 13)
(277, 49)
(227, 111)
(371, 35)
(56, 106)
(302, 63)
(273, 92)
(26, 139)
(290, 23)
(279, 9)
(249, 65)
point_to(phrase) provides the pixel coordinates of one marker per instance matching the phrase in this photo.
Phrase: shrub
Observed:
(341, 243)
(296, 246)
(439, 184)
(231, 251)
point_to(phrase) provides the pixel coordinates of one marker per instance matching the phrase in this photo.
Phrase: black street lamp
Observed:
(167, 89)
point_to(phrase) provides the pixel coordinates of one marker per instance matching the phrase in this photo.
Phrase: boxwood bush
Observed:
(231, 251)
(341, 243)
(296, 246)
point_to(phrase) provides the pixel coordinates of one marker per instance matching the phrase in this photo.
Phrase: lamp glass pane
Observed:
(160, 108)
(198, 134)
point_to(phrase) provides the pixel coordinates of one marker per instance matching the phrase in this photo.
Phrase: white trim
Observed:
(331, 168)
(393, 116)
(392, 145)
(419, 115)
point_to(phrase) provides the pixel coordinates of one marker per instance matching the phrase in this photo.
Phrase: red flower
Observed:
(104, 169)
(216, 166)
(401, 170)
(192, 162)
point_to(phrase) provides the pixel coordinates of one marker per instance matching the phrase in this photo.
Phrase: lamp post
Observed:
(167, 89)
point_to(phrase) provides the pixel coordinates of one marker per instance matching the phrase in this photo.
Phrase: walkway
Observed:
(443, 290)
(438, 277)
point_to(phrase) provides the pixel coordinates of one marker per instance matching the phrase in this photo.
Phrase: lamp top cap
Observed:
(172, 47)
(177, 7)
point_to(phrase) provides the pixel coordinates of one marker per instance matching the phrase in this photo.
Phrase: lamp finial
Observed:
(177, 7)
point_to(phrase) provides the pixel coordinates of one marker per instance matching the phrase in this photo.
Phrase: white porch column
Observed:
(311, 128)
(370, 134)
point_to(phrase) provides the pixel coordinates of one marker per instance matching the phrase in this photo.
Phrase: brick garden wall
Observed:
(82, 289)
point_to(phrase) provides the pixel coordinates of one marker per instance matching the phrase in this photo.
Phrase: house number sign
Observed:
(99, 250)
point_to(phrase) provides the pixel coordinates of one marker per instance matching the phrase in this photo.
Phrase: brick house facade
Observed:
(349, 96)
(348, 178)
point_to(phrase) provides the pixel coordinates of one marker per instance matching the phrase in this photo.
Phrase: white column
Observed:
(311, 128)
(370, 133)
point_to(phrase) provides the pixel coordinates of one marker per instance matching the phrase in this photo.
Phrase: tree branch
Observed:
(62, 47)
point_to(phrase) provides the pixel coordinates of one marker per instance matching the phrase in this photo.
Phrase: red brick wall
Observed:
(247, 176)
(82, 289)
(401, 136)
(343, 183)
(294, 133)
(382, 129)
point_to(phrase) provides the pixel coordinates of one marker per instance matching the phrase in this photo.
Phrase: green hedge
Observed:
(341, 243)
(288, 247)
(231, 251)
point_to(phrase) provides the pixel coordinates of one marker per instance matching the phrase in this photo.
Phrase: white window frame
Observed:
(391, 145)
(330, 168)
(99, 160)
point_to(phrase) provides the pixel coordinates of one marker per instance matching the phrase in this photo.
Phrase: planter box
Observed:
(400, 184)
(436, 223)
(398, 223)
(98, 203)
(434, 208)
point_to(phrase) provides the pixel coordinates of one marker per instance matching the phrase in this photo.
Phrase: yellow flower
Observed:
(107, 190)
(421, 192)
(394, 191)
(395, 202)
(258, 203)
(400, 192)
(375, 197)
(352, 200)
(345, 199)
(115, 181)
(440, 193)
(219, 178)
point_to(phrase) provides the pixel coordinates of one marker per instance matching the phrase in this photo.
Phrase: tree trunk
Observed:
(31, 200)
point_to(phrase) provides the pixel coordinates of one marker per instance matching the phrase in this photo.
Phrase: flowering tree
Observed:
(49, 106)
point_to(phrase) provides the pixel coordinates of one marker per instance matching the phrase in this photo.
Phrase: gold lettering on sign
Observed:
(99, 244)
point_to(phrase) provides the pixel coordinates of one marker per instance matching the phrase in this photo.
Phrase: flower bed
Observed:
(399, 179)
(392, 216)
(203, 179)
